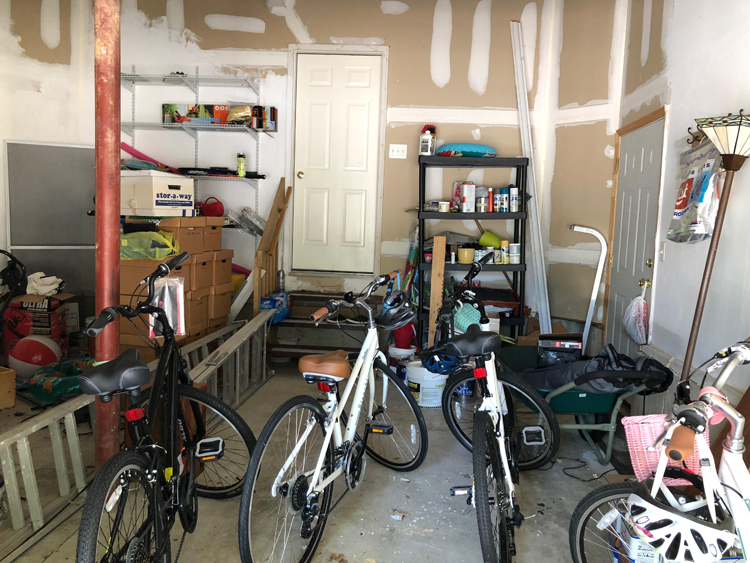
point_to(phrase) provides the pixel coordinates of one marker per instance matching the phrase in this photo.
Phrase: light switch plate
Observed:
(397, 151)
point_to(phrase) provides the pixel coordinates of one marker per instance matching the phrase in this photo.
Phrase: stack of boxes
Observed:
(207, 274)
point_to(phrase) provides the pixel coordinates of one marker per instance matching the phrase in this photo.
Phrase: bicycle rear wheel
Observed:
(490, 497)
(394, 405)
(599, 530)
(222, 478)
(538, 433)
(120, 518)
(278, 521)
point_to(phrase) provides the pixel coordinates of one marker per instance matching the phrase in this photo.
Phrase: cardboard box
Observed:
(148, 354)
(216, 324)
(279, 301)
(202, 270)
(194, 113)
(219, 300)
(7, 388)
(132, 273)
(36, 315)
(533, 332)
(196, 307)
(198, 329)
(126, 326)
(212, 234)
(151, 193)
(222, 271)
(188, 232)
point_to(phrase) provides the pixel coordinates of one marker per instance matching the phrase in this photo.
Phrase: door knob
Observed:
(645, 283)
(649, 263)
(300, 175)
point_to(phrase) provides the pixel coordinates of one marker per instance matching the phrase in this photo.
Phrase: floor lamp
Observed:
(731, 136)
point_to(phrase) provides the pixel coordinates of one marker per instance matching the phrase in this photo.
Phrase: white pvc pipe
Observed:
(597, 279)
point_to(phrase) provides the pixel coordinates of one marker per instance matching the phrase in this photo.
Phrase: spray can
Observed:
(427, 141)
(513, 198)
(241, 164)
(491, 202)
(504, 199)
(282, 280)
(504, 252)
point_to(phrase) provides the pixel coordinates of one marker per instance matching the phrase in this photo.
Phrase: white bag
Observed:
(635, 319)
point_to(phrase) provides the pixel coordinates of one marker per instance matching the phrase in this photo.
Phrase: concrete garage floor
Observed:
(361, 528)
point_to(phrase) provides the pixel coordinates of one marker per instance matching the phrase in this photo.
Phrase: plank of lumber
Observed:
(436, 284)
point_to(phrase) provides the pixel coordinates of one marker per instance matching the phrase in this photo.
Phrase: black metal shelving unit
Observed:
(519, 229)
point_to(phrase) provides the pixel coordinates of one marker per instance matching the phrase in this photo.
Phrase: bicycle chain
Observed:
(179, 549)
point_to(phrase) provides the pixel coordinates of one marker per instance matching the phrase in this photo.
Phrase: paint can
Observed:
(444, 206)
(513, 199)
(427, 387)
(505, 252)
(515, 253)
(504, 200)
(468, 197)
(483, 205)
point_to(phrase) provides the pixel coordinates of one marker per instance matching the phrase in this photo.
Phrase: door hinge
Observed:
(617, 165)
(611, 260)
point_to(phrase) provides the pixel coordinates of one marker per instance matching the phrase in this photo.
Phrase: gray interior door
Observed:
(636, 216)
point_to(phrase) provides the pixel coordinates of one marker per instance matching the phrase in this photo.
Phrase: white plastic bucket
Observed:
(427, 387)
(400, 353)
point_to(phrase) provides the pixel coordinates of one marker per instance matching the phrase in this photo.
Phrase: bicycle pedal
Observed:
(385, 429)
(210, 449)
(460, 491)
(534, 436)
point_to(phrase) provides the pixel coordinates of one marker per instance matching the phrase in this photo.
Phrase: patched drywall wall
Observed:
(43, 28)
(463, 83)
(645, 54)
(585, 55)
(570, 288)
(582, 186)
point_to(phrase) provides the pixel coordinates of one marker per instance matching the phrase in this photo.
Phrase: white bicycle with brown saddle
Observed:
(307, 443)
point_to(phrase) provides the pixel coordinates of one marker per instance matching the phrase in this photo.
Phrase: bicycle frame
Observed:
(494, 404)
(362, 375)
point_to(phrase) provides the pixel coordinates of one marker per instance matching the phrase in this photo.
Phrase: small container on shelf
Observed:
(428, 257)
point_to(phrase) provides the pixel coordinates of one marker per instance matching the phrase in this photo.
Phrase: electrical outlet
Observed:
(397, 151)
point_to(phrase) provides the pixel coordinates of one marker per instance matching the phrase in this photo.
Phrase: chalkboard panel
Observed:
(50, 189)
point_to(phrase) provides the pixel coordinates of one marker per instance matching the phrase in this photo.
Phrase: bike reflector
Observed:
(134, 414)
(480, 373)
(324, 387)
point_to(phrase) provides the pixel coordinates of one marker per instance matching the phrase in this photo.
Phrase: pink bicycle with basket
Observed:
(684, 508)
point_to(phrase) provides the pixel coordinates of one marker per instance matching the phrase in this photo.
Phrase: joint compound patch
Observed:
(440, 51)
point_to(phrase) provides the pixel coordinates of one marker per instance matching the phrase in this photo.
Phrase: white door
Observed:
(336, 162)
(636, 216)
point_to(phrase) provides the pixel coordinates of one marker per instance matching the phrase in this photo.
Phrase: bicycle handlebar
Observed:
(109, 314)
(682, 444)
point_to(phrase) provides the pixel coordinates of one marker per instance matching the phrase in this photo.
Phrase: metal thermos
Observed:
(282, 280)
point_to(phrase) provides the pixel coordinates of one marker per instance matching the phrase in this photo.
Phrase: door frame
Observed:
(316, 49)
(661, 113)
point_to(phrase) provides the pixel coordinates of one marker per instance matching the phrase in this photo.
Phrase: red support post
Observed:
(107, 80)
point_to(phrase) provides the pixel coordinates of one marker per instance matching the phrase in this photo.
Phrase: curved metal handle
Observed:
(300, 175)
(644, 283)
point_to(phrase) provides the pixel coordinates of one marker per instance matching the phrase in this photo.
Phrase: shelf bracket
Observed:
(190, 84)
(192, 132)
(127, 128)
(128, 85)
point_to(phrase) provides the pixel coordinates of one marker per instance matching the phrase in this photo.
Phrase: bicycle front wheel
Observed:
(537, 430)
(222, 478)
(599, 530)
(490, 497)
(279, 522)
(121, 521)
(393, 405)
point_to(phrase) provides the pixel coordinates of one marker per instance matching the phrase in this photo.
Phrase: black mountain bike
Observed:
(529, 420)
(186, 444)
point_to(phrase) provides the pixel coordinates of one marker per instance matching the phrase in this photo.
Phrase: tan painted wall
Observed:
(581, 168)
(637, 74)
(26, 19)
(584, 60)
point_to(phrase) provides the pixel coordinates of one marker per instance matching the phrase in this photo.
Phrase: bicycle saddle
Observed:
(125, 372)
(474, 342)
(333, 364)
